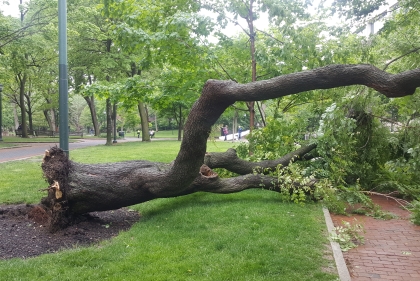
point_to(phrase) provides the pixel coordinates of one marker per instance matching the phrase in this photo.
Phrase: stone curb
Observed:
(343, 272)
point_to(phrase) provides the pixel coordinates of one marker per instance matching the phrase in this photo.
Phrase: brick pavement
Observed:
(392, 247)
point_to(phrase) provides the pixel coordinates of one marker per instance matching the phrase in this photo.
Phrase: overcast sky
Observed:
(11, 9)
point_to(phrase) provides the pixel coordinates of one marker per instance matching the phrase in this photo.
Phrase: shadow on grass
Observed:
(163, 206)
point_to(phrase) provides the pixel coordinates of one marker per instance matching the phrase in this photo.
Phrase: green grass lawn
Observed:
(250, 235)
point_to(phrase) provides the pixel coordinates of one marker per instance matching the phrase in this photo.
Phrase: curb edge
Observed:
(342, 269)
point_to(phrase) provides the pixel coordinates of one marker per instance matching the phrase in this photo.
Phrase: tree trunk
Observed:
(54, 117)
(108, 44)
(156, 121)
(144, 120)
(108, 122)
(79, 188)
(251, 104)
(15, 116)
(29, 112)
(180, 124)
(114, 122)
(49, 115)
(92, 108)
(22, 84)
(47, 118)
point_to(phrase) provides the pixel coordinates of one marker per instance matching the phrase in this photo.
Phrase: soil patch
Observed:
(23, 236)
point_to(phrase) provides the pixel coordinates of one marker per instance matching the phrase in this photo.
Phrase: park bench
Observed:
(47, 133)
(76, 134)
(19, 132)
(71, 134)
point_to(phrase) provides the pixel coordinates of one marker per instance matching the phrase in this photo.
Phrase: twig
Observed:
(401, 202)
(403, 55)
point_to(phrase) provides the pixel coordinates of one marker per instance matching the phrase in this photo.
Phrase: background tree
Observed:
(283, 14)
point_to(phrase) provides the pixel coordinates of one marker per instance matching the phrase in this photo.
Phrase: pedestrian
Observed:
(225, 131)
(138, 133)
(239, 132)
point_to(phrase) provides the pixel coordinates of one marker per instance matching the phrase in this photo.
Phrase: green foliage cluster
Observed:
(415, 209)
(356, 152)
(352, 144)
(296, 187)
(280, 136)
(348, 235)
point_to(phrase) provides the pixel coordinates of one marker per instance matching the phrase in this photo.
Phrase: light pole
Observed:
(63, 76)
(1, 114)
(114, 116)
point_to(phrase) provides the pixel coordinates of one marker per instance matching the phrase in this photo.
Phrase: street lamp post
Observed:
(63, 76)
(114, 116)
(1, 114)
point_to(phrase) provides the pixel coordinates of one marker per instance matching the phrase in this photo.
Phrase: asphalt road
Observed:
(28, 150)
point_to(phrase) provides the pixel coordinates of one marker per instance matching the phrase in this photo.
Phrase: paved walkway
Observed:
(26, 150)
(392, 247)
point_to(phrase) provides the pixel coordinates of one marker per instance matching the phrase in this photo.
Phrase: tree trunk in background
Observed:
(48, 118)
(180, 124)
(235, 124)
(108, 122)
(114, 121)
(15, 116)
(156, 122)
(250, 21)
(108, 44)
(22, 84)
(92, 108)
(49, 115)
(53, 114)
(144, 120)
(29, 112)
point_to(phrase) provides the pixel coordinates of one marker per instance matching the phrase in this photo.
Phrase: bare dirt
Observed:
(23, 233)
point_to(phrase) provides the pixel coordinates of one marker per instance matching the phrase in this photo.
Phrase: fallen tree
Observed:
(76, 188)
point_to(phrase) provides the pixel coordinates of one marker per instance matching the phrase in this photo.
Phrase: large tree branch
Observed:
(328, 77)
(218, 95)
(229, 160)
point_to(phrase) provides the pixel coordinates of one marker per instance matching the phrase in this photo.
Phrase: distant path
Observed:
(28, 150)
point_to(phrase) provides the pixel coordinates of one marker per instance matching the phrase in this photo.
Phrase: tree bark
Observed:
(144, 120)
(108, 122)
(29, 111)
(230, 161)
(92, 108)
(180, 124)
(79, 188)
(22, 83)
(76, 191)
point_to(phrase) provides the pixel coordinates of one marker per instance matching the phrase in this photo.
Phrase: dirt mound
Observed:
(24, 234)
